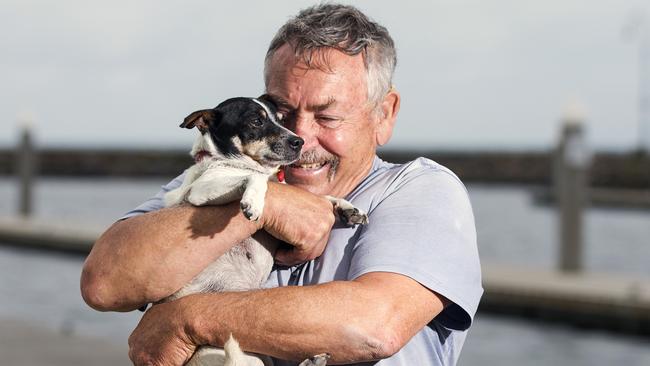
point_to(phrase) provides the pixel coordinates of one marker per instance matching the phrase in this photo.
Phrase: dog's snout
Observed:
(296, 142)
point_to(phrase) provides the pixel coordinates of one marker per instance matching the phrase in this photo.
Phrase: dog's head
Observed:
(246, 126)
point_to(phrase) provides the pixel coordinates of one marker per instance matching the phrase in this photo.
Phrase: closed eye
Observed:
(329, 121)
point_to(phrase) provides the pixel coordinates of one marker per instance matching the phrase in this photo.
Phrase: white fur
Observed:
(204, 142)
(216, 180)
(267, 110)
(273, 117)
(230, 355)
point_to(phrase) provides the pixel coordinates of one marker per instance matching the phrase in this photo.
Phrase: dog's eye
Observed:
(256, 122)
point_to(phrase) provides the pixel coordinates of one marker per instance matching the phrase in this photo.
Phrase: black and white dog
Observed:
(241, 146)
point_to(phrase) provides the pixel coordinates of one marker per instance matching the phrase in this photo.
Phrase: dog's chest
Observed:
(232, 168)
(245, 266)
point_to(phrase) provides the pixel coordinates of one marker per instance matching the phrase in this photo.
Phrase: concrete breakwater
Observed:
(25, 343)
(594, 300)
(617, 170)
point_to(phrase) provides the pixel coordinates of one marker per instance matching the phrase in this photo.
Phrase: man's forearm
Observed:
(289, 322)
(148, 257)
(366, 319)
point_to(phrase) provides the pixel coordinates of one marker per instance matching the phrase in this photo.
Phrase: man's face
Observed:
(328, 107)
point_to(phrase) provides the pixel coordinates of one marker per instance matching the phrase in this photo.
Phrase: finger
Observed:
(295, 255)
(289, 257)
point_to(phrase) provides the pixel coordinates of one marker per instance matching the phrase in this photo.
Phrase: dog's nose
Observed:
(296, 142)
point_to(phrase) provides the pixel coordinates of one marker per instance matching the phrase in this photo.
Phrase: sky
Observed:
(473, 74)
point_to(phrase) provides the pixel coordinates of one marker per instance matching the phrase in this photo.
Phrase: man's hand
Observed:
(299, 218)
(160, 338)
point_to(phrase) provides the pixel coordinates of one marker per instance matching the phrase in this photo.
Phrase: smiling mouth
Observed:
(309, 166)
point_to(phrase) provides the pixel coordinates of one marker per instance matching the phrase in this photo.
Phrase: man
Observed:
(402, 289)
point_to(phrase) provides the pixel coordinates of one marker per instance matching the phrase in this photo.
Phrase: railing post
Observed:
(572, 160)
(25, 169)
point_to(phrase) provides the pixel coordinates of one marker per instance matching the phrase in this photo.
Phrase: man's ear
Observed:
(200, 119)
(388, 109)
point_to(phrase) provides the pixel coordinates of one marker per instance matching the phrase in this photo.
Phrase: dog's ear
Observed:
(200, 119)
(267, 98)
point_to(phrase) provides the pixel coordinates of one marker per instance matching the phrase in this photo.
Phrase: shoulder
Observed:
(422, 226)
(415, 181)
(420, 167)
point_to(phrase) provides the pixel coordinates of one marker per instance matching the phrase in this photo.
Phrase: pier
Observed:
(584, 299)
(67, 237)
(627, 170)
(51, 348)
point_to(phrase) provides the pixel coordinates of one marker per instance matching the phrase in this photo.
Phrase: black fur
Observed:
(245, 119)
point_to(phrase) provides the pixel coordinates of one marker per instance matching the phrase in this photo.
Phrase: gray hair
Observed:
(346, 29)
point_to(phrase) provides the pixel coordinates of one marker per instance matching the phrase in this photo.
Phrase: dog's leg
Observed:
(346, 211)
(208, 356)
(177, 195)
(252, 201)
(215, 187)
(236, 357)
(318, 360)
(230, 355)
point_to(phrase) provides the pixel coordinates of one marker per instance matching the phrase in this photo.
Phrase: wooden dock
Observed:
(595, 300)
(602, 197)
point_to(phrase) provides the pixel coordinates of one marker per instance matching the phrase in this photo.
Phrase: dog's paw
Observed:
(318, 360)
(347, 213)
(353, 216)
(250, 211)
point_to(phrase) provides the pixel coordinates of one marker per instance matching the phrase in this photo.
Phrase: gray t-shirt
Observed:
(421, 226)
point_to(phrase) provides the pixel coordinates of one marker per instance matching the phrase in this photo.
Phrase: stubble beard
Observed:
(312, 157)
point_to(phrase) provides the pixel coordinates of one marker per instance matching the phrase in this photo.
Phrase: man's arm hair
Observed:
(148, 257)
(369, 318)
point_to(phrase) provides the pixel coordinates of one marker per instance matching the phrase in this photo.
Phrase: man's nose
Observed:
(307, 130)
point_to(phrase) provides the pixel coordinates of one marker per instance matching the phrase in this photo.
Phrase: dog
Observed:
(241, 146)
